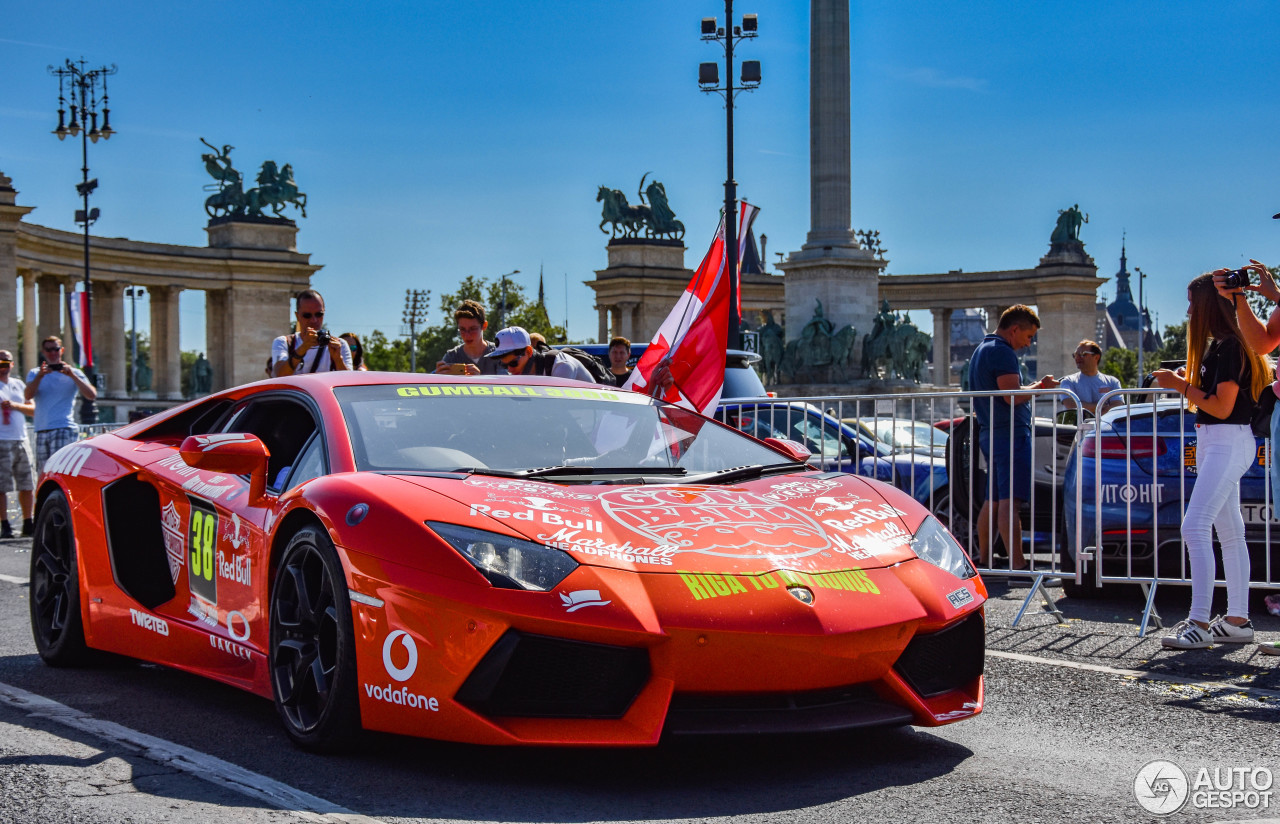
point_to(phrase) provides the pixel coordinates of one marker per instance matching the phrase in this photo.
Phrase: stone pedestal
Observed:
(279, 234)
(10, 215)
(240, 323)
(846, 280)
(1065, 294)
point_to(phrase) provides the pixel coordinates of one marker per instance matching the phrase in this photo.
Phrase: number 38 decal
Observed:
(202, 535)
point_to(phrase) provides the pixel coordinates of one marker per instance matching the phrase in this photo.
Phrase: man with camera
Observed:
(1261, 338)
(311, 348)
(53, 387)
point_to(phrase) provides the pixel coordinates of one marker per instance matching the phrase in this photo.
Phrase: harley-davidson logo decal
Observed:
(174, 545)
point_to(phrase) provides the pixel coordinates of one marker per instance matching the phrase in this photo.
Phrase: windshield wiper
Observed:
(552, 471)
(742, 473)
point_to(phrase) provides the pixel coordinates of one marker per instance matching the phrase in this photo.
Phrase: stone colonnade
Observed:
(249, 272)
(1062, 288)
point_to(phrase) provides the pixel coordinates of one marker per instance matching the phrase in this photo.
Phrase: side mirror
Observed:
(236, 453)
(795, 451)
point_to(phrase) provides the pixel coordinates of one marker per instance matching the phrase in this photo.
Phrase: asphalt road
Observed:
(1074, 711)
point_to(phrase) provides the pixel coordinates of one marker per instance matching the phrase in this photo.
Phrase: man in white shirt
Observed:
(311, 348)
(514, 350)
(15, 454)
(1089, 384)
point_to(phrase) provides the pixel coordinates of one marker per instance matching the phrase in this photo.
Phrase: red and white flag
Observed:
(691, 342)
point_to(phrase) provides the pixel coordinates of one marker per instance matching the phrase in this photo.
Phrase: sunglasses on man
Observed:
(509, 361)
(5, 364)
(310, 315)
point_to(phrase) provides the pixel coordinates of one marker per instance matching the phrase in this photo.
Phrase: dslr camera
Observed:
(1237, 279)
(56, 367)
(322, 338)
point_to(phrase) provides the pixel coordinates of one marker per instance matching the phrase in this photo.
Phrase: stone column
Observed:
(603, 313)
(218, 347)
(626, 319)
(49, 295)
(30, 338)
(241, 323)
(110, 355)
(166, 361)
(830, 185)
(942, 347)
(1065, 320)
(993, 317)
(10, 216)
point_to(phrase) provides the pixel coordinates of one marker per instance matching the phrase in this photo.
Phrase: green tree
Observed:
(1175, 344)
(1122, 363)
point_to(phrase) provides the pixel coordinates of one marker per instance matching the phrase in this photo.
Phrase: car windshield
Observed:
(903, 434)
(483, 426)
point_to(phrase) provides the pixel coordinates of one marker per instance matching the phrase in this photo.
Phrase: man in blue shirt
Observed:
(53, 386)
(1004, 433)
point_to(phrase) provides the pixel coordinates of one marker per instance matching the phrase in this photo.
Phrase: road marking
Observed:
(1139, 674)
(14, 579)
(166, 753)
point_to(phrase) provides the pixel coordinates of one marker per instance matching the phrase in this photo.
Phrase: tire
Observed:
(313, 655)
(56, 621)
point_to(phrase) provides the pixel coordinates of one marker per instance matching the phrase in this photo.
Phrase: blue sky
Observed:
(437, 140)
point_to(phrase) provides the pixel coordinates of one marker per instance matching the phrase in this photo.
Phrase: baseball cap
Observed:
(511, 339)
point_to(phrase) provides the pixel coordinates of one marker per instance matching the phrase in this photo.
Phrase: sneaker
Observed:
(1269, 648)
(6, 531)
(1225, 632)
(1188, 635)
(28, 527)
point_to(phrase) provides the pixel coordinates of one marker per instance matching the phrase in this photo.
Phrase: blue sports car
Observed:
(1146, 456)
(838, 445)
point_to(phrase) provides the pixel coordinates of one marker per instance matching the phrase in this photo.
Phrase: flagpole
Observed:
(731, 190)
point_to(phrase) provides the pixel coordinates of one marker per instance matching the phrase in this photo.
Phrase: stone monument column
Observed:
(942, 347)
(831, 266)
(626, 319)
(30, 340)
(107, 328)
(166, 363)
(1066, 285)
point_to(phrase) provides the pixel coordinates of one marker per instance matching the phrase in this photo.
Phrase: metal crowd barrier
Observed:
(845, 433)
(1143, 547)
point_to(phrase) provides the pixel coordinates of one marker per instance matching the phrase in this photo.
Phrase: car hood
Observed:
(813, 522)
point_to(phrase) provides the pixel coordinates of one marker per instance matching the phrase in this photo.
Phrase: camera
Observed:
(322, 338)
(1236, 279)
(57, 367)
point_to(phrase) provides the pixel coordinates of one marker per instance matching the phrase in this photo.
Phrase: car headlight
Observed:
(934, 544)
(508, 562)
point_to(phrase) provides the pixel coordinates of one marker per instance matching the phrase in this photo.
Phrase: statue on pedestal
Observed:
(655, 217)
(772, 347)
(820, 354)
(142, 369)
(894, 346)
(276, 187)
(201, 377)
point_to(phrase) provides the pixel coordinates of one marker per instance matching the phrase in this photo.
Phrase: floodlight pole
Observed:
(84, 107)
(727, 36)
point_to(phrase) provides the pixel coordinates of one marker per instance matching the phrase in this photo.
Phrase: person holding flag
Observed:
(684, 363)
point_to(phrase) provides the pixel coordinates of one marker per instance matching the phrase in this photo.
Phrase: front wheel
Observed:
(56, 621)
(313, 656)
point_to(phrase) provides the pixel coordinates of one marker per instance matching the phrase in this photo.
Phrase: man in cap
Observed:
(514, 349)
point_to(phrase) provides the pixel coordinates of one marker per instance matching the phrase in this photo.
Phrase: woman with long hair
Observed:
(1221, 382)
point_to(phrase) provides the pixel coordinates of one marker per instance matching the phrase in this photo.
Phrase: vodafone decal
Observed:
(400, 695)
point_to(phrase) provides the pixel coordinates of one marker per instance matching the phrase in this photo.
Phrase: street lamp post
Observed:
(133, 293)
(81, 85)
(415, 312)
(502, 308)
(709, 81)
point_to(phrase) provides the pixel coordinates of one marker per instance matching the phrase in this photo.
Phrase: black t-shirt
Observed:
(620, 379)
(1225, 361)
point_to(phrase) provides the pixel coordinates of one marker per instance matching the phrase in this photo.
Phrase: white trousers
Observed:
(1223, 453)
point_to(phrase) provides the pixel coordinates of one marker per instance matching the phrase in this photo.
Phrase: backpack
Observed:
(1261, 421)
(599, 372)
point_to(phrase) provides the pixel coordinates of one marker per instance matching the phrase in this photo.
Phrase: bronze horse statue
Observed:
(625, 218)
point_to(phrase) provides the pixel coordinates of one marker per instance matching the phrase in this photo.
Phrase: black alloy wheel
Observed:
(313, 669)
(56, 621)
